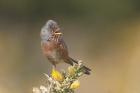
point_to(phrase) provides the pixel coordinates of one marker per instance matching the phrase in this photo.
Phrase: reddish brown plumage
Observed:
(55, 51)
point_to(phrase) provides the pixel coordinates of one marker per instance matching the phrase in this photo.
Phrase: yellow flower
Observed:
(71, 70)
(75, 84)
(57, 75)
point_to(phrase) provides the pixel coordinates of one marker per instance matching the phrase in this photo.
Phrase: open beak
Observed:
(57, 31)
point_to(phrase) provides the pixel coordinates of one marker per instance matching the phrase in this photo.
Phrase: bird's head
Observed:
(49, 29)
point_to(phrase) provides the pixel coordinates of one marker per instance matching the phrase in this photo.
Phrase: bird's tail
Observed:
(86, 69)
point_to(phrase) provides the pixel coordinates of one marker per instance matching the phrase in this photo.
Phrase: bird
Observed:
(54, 47)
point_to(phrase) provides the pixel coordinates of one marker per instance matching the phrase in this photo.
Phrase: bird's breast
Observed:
(55, 51)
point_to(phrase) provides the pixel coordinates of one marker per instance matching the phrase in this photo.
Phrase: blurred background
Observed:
(105, 34)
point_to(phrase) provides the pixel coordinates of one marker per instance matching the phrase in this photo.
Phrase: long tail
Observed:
(86, 69)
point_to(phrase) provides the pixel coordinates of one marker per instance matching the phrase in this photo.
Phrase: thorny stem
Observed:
(65, 85)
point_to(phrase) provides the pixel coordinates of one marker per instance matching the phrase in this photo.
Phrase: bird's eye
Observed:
(51, 30)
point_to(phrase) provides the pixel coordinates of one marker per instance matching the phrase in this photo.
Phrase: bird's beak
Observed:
(57, 31)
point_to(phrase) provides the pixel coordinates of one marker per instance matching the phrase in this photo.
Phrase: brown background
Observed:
(105, 34)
